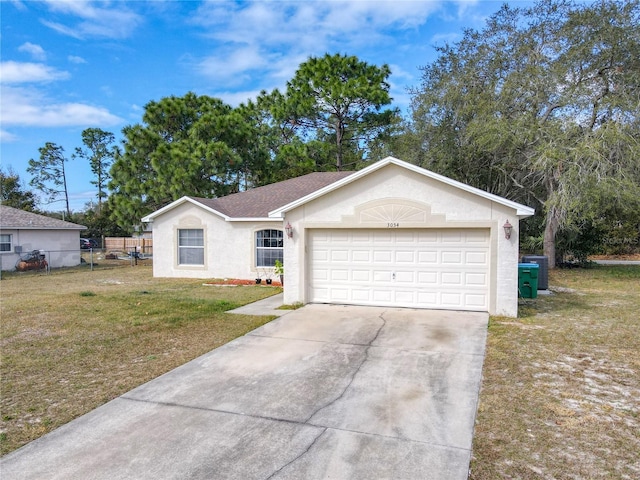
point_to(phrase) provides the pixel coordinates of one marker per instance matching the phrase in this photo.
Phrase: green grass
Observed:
(561, 383)
(75, 339)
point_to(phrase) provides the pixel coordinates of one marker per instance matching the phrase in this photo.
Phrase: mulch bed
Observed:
(237, 281)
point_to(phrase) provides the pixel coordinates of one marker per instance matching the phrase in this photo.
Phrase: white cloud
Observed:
(76, 59)
(233, 67)
(36, 51)
(104, 19)
(27, 107)
(236, 98)
(25, 72)
(297, 30)
(7, 136)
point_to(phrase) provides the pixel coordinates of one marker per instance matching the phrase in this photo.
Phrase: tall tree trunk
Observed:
(339, 136)
(66, 191)
(550, 230)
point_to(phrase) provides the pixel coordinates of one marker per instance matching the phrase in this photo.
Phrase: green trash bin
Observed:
(528, 280)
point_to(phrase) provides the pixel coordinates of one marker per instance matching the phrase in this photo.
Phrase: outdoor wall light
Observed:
(289, 229)
(507, 230)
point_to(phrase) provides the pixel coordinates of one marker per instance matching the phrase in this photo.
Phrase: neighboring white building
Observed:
(392, 234)
(22, 232)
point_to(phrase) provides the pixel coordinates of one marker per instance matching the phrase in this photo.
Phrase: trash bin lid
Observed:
(528, 265)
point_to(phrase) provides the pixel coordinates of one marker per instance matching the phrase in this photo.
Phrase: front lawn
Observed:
(75, 339)
(560, 395)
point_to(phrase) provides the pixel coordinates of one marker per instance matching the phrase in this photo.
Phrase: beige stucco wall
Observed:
(434, 204)
(229, 246)
(61, 247)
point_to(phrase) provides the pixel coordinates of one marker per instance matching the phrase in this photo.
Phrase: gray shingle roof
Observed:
(258, 202)
(14, 218)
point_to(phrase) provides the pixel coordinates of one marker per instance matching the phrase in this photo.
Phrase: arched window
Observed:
(268, 247)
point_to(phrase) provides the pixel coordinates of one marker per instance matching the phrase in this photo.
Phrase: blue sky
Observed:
(71, 65)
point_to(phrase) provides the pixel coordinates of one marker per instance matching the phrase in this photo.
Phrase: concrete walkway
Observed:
(322, 392)
(266, 306)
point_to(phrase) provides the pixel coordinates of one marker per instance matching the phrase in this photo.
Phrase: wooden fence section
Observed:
(129, 244)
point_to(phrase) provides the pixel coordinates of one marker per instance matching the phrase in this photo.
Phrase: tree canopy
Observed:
(200, 146)
(191, 145)
(13, 194)
(339, 96)
(540, 106)
(100, 152)
(49, 174)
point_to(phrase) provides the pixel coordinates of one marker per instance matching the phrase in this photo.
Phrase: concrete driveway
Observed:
(322, 392)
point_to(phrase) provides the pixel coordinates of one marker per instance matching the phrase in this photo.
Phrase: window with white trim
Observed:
(269, 245)
(5, 243)
(191, 246)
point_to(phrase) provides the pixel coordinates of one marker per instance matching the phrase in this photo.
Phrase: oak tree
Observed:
(540, 106)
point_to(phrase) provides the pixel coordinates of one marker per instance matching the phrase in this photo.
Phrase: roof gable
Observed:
(20, 219)
(256, 203)
(521, 210)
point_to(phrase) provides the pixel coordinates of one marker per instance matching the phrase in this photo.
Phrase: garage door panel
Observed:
(477, 258)
(320, 274)
(428, 257)
(452, 257)
(427, 278)
(362, 256)
(361, 276)
(382, 237)
(475, 300)
(321, 255)
(360, 295)
(402, 296)
(477, 237)
(451, 278)
(338, 275)
(405, 277)
(404, 237)
(449, 299)
(405, 256)
(382, 256)
(476, 279)
(382, 276)
(340, 255)
(452, 236)
(381, 296)
(339, 294)
(420, 268)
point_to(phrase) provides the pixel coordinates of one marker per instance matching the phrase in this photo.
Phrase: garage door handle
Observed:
(393, 276)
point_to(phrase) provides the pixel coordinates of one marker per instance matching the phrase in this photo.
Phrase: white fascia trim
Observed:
(180, 201)
(521, 210)
(31, 227)
(252, 219)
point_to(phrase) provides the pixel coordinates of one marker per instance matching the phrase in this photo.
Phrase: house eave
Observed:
(521, 210)
(252, 219)
(176, 203)
(35, 227)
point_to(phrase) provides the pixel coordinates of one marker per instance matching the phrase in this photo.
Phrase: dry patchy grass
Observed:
(75, 339)
(560, 396)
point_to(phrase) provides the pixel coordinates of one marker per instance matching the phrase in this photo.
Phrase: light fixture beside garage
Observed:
(507, 230)
(289, 230)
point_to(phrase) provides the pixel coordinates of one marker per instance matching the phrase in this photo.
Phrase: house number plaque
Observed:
(393, 225)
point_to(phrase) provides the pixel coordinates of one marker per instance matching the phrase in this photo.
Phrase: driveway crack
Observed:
(315, 440)
(356, 371)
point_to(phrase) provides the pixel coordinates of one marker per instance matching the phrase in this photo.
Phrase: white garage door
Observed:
(422, 268)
